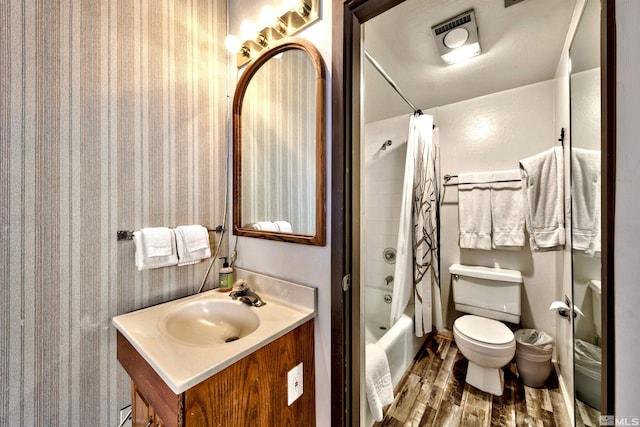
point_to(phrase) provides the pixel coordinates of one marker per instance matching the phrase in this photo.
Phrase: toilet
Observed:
(490, 296)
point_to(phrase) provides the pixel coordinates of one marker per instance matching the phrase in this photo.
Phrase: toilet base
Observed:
(490, 380)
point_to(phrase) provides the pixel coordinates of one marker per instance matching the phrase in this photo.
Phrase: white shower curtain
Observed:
(417, 269)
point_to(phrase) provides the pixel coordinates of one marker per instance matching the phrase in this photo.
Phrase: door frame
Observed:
(348, 17)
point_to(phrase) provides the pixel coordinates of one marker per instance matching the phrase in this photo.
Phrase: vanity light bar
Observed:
(294, 20)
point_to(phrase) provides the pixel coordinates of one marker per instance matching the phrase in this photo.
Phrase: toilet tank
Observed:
(487, 292)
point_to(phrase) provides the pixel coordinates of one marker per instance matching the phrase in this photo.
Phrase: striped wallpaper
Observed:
(113, 116)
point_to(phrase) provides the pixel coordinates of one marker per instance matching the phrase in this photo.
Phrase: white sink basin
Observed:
(209, 322)
(185, 340)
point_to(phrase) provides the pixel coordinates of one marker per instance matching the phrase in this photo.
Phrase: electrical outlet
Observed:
(294, 384)
(125, 413)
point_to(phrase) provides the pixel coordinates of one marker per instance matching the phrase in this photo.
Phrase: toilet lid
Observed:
(484, 330)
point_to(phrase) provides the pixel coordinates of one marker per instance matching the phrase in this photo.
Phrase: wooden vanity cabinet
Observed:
(143, 414)
(252, 391)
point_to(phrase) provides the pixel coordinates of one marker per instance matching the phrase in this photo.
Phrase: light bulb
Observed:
(290, 5)
(232, 43)
(268, 16)
(299, 6)
(248, 30)
(462, 53)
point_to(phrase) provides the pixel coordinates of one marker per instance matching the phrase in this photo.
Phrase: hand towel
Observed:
(542, 184)
(507, 209)
(155, 247)
(377, 380)
(585, 200)
(474, 210)
(266, 226)
(192, 244)
(283, 226)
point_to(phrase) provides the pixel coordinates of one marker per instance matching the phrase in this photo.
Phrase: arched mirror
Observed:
(279, 145)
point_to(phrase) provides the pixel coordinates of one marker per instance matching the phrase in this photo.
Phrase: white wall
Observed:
(627, 226)
(298, 263)
(492, 133)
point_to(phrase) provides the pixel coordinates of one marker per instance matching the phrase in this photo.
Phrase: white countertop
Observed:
(182, 365)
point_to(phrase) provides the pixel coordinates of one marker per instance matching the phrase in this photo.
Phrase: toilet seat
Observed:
(486, 336)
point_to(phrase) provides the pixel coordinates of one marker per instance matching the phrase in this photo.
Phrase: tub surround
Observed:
(181, 365)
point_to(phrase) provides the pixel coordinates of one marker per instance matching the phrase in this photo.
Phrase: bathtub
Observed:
(398, 341)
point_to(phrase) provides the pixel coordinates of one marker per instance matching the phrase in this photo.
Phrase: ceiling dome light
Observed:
(456, 38)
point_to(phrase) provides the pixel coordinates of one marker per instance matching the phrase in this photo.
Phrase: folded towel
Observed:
(474, 210)
(585, 200)
(507, 209)
(377, 380)
(542, 184)
(155, 247)
(266, 226)
(283, 226)
(192, 243)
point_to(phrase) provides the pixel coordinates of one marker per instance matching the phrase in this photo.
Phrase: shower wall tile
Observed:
(112, 116)
(382, 193)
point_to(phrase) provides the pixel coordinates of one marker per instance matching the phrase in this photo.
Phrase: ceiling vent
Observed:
(508, 3)
(457, 38)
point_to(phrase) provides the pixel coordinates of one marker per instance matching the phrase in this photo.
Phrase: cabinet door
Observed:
(143, 414)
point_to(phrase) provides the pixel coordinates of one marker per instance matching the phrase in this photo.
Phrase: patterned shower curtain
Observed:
(417, 270)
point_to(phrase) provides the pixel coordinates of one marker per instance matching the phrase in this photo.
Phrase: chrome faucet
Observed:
(246, 295)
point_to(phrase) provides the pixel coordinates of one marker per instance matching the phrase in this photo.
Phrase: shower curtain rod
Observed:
(390, 81)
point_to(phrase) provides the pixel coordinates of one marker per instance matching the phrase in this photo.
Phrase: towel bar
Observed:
(128, 234)
(448, 178)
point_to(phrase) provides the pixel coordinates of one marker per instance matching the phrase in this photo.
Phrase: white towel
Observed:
(585, 200)
(507, 209)
(542, 184)
(474, 210)
(192, 243)
(266, 226)
(283, 226)
(377, 380)
(155, 247)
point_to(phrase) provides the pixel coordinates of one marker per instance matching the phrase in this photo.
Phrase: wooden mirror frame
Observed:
(318, 238)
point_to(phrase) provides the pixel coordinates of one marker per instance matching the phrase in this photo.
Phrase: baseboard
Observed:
(568, 402)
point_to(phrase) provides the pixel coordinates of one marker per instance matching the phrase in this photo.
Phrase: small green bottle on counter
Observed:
(226, 277)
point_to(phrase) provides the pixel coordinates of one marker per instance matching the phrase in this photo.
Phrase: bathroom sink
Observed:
(209, 322)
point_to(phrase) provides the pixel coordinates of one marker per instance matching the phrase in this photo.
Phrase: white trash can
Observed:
(534, 350)
(588, 360)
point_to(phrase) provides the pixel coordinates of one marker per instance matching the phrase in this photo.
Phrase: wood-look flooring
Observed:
(433, 392)
(586, 416)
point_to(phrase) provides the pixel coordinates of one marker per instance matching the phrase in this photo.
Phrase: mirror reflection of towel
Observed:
(585, 200)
